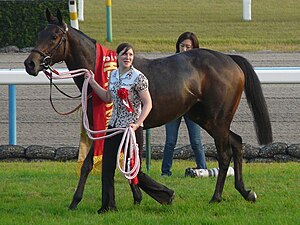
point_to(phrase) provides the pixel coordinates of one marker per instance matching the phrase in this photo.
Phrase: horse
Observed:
(206, 85)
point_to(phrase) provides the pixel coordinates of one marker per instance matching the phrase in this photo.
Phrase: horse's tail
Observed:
(256, 101)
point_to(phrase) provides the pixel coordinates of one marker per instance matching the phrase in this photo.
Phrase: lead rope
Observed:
(131, 154)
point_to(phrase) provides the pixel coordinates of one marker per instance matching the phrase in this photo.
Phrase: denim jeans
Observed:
(171, 140)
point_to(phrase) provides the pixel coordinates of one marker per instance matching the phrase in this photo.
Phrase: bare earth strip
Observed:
(38, 124)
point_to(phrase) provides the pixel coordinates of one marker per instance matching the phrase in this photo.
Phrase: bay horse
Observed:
(204, 84)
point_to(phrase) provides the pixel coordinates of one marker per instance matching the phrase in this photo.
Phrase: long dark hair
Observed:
(187, 35)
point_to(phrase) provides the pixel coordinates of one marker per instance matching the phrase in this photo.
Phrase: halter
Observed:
(47, 60)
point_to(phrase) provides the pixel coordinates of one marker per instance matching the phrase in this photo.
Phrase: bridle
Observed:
(47, 60)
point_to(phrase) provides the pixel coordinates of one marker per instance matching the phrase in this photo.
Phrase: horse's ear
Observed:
(59, 17)
(48, 15)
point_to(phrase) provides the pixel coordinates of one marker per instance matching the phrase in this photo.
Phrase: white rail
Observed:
(19, 76)
(279, 75)
(267, 75)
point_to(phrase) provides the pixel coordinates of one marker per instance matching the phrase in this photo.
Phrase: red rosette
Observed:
(122, 93)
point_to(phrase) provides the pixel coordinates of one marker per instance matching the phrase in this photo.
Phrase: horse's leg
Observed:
(236, 144)
(224, 156)
(86, 168)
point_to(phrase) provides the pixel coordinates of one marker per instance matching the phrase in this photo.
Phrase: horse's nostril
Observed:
(29, 64)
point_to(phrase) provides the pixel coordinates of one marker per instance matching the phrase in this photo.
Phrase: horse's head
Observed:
(50, 47)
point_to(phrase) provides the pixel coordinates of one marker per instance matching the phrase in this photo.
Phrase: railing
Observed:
(18, 77)
(267, 75)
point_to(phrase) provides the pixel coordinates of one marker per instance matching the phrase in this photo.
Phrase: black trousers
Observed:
(157, 191)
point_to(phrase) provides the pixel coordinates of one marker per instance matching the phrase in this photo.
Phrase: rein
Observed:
(131, 154)
(50, 77)
(54, 108)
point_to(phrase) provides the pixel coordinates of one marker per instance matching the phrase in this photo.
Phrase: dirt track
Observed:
(37, 123)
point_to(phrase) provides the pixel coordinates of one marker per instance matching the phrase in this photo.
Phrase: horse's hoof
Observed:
(214, 200)
(137, 202)
(104, 210)
(252, 196)
(72, 207)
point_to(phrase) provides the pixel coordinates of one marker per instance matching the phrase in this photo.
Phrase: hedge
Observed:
(21, 20)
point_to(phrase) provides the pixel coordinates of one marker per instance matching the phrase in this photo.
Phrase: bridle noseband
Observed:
(47, 60)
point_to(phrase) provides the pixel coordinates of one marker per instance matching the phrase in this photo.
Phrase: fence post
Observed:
(148, 150)
(73, 14)
(12, 115)
(80, 10)
(247, 10)
(108, 21)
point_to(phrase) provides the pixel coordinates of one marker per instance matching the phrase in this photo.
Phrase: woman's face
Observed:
(186, 45)
(125, 58)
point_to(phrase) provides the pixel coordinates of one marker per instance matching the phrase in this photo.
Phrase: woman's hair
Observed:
(127, 46)
(123, 46)
(187, 35)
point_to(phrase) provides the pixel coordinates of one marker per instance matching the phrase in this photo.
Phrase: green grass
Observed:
(155, 25)
(40, 192)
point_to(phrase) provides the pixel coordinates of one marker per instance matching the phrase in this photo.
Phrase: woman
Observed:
(186, 41)
(133, 115)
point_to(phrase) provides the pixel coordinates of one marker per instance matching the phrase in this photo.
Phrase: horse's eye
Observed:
(54, 36)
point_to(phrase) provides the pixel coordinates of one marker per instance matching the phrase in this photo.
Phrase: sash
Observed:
(106, 61)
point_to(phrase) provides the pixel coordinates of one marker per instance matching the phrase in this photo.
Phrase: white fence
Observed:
(267, 75)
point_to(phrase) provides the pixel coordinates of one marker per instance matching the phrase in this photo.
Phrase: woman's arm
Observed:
(147, 106)
(100, 91)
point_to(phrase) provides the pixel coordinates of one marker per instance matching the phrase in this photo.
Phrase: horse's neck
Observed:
(81, 52)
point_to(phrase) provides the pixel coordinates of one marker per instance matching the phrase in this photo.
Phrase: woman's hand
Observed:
(134, 126)
(100, 91)
(89, 75)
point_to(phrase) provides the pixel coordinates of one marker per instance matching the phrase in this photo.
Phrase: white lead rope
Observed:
(133, 151)
(128, 136)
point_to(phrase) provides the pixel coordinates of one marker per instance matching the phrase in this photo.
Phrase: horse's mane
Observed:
(91, 39)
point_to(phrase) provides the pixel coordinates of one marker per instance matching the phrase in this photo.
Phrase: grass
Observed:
(153, 26)
(40, 192)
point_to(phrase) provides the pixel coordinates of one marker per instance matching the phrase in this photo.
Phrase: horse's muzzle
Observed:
(31, 67)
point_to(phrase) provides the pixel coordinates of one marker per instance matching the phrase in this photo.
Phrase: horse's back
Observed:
(182, 80)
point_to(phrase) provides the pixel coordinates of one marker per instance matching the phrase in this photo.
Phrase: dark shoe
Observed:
(171, 199)
(166, 174)
(103, 210)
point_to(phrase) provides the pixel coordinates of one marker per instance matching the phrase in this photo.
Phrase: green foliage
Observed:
(40, 192)
(20, 21)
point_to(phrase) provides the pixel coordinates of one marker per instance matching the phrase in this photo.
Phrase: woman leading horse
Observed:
(204, 84)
